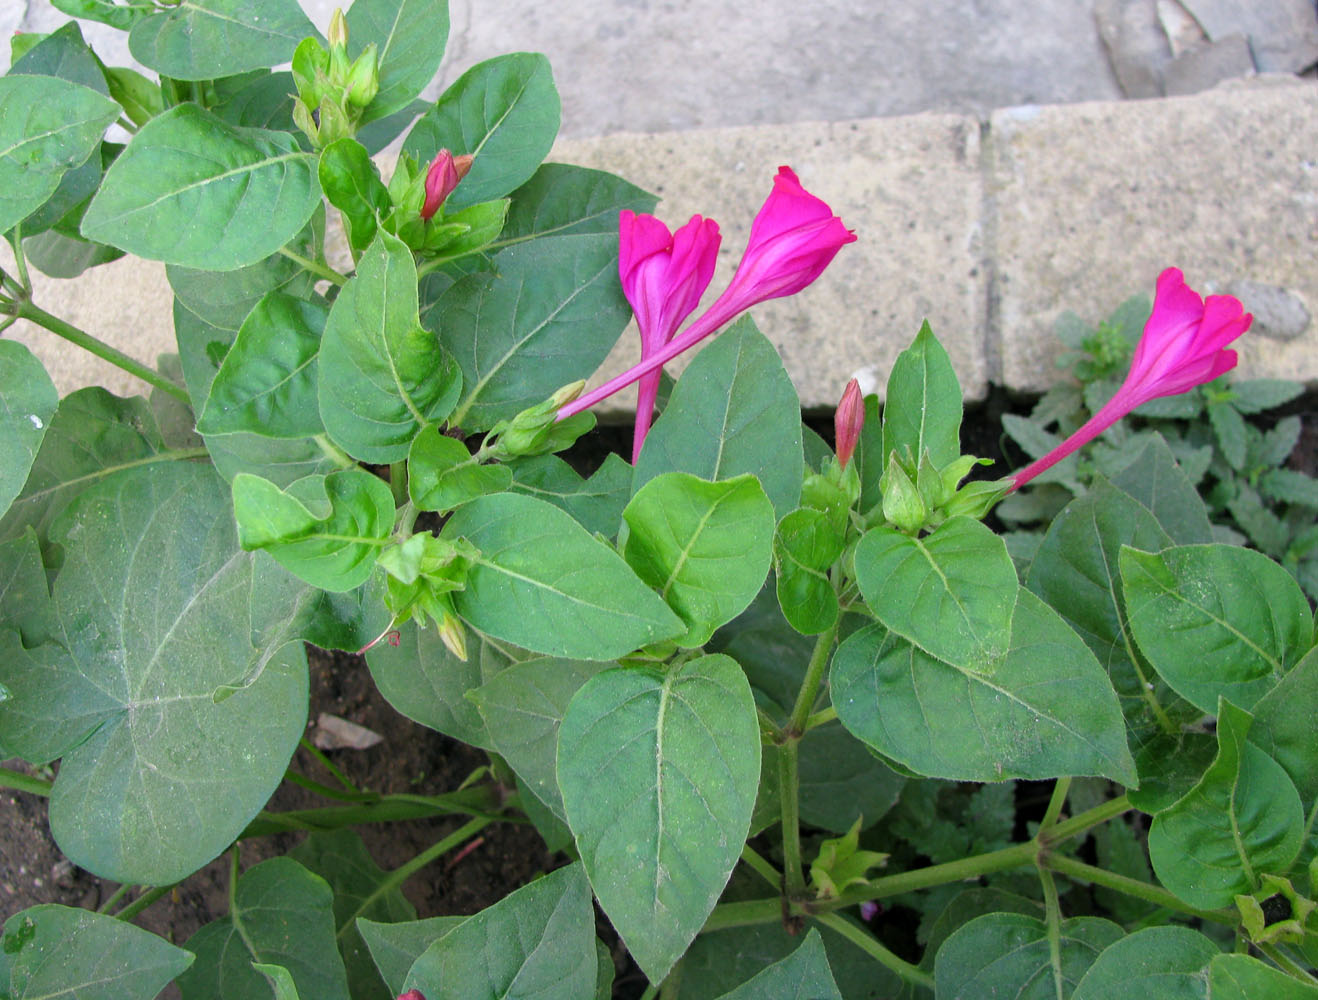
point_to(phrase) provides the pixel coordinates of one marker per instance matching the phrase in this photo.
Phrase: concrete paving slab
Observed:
(127, 303)
(1282, 33)
(1092, 201)
(909, 187)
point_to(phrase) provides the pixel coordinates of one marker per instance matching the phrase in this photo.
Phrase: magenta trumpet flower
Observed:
(663, 275)
(793, 238)
(1184, 345)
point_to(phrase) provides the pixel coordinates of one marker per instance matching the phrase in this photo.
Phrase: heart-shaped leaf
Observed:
(27, 402)
(205, 39)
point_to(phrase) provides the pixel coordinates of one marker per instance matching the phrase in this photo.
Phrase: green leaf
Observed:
(441, 473)
(841, 781)
(539, 941)
(1283, 725)
(1258, 394)
(352, 184)
(394, 947)
(596, 503)
(1229, 429)
(952, 593)
(704, 546)
(523, 708)
(27, 402)
(92, 435)
(870, 456)
(224, 298)
(48, 126)
(1046, 709)
(259, 99)
(280, 980)
(281, 915)
(267, 382)
(1290, 486)
(1158, 483)
(24, 594)
(922, 409)
(205, 39)
(563, 200)
(121, 15)
(1075, 572)
(155, 616)
(505, 113)
(59, 256)
(410, 36)
(341, 859)
(805, 547)
(802, 975)
(192, 190)
(1169, 766)
(62, 951)
(1243, 818)
(383, 377)
(547, 315)
(734, 410)
(1008, 954)
(328, 530)
(1215, 620)
(1156, 963)
(659, 772)
(424, 681)
(1240, 977)
(543, 582)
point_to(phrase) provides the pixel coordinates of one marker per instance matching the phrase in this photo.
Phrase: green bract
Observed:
(724, 703)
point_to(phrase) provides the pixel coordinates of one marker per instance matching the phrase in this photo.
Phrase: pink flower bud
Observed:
(1184, 345)
(442, 177)
(412, 995)
(848, 420)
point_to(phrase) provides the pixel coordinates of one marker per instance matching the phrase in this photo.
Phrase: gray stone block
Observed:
(1093, 201)
(1208, 64)
(1282, 33)
(909, 187)
(1278, 312)
(1136, 44)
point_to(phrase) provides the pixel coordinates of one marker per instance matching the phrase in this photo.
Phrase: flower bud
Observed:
(364, 77)
(848, 421)
(338, 29)
(446, 170)
(453, 635)
(902, 504)
(412, 995)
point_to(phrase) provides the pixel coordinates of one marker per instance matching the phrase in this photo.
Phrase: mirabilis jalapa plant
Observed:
(735, 682)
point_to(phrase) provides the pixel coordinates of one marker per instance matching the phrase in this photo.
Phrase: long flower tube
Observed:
(663, 275)
(1184, 345)
(793, 238)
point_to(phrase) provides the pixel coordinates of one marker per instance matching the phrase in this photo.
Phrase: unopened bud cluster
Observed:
(333, 91)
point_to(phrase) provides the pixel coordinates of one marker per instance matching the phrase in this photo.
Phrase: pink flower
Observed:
(663, 276)
(446, 170)
(1184, 345)
(848, 421)
(793, 238)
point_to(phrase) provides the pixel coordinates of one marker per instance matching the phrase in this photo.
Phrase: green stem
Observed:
(333, 452)
(20, 262)
(1055, 804)
(761, 867)
(1053, 914)
(116, 357)
(1286, 965)
(143, 901)
(1158, 896)
(23, 782)
(869, 944)
(481, 802)
(823, 716)
(398, 482)
(235, 913)
(402, 873)
(745, 913)
(1077, 825)
(650, 992)
(672, 984)
(115, 896)
(330, 766)
(327, 791)
(814, 677)
(315, 267)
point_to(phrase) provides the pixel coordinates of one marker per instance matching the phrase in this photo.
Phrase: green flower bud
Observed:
(364, 77)
(902, 505)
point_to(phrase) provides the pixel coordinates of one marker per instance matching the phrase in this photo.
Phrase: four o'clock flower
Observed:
(663, 275)
(848, 422)
(793, 238)
(1184, 345)
(442, 177)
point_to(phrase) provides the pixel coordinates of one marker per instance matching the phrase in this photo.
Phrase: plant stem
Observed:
(1158, 896)
(26, 310)
(329, 766)
(20, 262)
(869, 944)
(143, 901)
(1055, 804)
(327, 791)
(745, 913)
(651, 991)
(1053, 914)
(403, 872)
(115, 896)
(794, 875)
(823, 716)
(1077, 825)
(761, 867)
(398, 482)
(23, 782)
(315, 267)
(333, 452)
(481, 802)
(235, 913)
(1286, 965)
